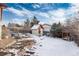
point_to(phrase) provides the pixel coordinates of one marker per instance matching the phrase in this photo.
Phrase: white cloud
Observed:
(36, 6)
(52, 16)
(30, 14)
(59, 13)
(63, 14)
(44, 14)
(73, 10)
(57, 16)
(23, 12)
(18, 21)
(75, 5)
(27, 13)
(15, 20)
(41, 14)
(20, 13)
(15, 11)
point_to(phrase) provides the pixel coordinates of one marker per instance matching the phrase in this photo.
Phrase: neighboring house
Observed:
(37, 29)
(47, 28)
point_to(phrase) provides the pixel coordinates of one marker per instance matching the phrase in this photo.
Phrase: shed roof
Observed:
(35, 26)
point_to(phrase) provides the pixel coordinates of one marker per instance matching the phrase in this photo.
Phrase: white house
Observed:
(37, 30)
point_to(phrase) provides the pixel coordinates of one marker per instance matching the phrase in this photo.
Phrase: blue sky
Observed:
(45, 12)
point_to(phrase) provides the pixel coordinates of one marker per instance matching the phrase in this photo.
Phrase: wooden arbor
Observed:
(2, 6)
(65, 34)
(6, 42)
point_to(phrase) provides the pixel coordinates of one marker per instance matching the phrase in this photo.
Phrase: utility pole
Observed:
(2, 6)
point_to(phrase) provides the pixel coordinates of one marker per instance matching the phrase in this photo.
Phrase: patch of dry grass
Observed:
(6, 42)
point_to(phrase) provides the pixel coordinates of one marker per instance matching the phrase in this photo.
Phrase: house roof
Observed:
(47, 24)
(35, 26)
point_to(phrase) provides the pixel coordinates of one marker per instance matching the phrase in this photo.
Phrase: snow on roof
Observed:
(35, 26)
(41, 23)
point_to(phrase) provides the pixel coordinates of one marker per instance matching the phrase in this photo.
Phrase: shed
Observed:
(37, 29)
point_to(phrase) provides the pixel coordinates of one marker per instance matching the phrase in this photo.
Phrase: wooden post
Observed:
(62, 34)
(2, 6)
(0, 23)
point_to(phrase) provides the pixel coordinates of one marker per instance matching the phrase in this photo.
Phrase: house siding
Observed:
(35, 31)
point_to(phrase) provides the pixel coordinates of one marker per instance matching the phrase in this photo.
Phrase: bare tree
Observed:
(73, 27)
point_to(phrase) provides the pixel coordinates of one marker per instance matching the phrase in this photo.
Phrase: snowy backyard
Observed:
(33, 29)
(48, 46)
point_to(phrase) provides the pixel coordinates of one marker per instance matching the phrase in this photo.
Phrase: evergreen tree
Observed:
(56, 29)
(34, 21)
(27, 23)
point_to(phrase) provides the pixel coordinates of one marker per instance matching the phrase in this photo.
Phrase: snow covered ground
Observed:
(48, 46)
